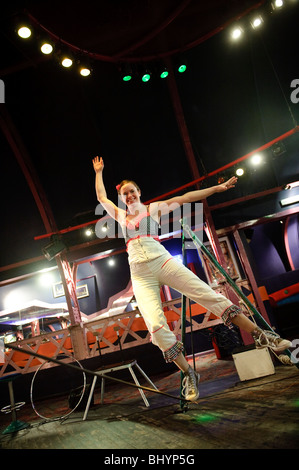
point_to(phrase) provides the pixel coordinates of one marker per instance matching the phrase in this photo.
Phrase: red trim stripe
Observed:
(165, 262)
(142, 236)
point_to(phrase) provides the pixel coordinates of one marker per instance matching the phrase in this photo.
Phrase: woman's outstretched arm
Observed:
(165, 206)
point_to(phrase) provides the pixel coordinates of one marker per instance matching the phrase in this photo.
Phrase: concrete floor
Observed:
(261, 413)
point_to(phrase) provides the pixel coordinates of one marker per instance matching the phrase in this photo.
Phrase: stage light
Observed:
(240, 172)
(146, 76)
(277, 4)
(24, 32)
(164, 72)
(66, 62)
(236, 33)
(256, 159)
(111, 262)
(46, 48)
(85, 72)
(127, 78)
(278, 149)
(182, 68)
(88, 232)
(257, 22)
(53, 249)
(126, 72)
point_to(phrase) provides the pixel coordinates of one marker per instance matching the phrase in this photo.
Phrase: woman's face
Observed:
(130, 194)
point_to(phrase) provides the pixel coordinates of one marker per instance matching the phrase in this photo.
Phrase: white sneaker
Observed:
(271, 340)
(190, 385)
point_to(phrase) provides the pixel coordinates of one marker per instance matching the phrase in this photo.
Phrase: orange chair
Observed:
(47, 349)
(21, 359)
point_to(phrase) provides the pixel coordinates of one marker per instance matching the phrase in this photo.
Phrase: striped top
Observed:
(141, 237)
(142, 226)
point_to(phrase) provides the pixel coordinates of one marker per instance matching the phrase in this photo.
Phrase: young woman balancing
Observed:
(151, 266)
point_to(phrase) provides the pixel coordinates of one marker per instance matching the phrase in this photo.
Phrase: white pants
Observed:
(148, 277)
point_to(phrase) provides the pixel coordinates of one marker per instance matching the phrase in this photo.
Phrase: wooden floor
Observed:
(257, 414)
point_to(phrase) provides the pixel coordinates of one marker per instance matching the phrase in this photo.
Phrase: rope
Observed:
(255, 313)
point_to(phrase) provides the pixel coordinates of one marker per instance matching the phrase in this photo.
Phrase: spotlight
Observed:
(146, 76)
(257, 22)
(88, 232)
(278, 149)
(111, 262)
(46, 48)
(127, 78)
(277, 4)
(24, 32)
(53, 249)
(240, 172)
(85, 71)
(164, 72)
(126, 72)
(182, 68)
(236, 33)
(256, 159)
(66, 62)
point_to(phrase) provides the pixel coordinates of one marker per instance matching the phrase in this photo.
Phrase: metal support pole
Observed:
(183, 404)
(200, 246)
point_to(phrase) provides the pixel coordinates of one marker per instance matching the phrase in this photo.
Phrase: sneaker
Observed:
(190, 385)
(271, 340)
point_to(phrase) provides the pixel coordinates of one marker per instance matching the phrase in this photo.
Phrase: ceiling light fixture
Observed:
(277, 4)
(236, 33)
(66, 62)
(126, 72)
(256, 159)
(46, 48)
(257, 22)
(85, 71)
(146, 76)
(182, 68)
(24, 32)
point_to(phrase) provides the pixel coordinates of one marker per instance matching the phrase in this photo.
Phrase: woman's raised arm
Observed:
(114, 211)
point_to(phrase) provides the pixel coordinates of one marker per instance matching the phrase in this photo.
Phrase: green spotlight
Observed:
(126, 72)
(146, 77)
(164, 73)
(182, 68)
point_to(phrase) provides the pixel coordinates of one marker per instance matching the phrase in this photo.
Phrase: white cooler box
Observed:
(253, 363)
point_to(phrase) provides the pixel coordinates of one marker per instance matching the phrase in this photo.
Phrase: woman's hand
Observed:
(98, 164)
(231, 183)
